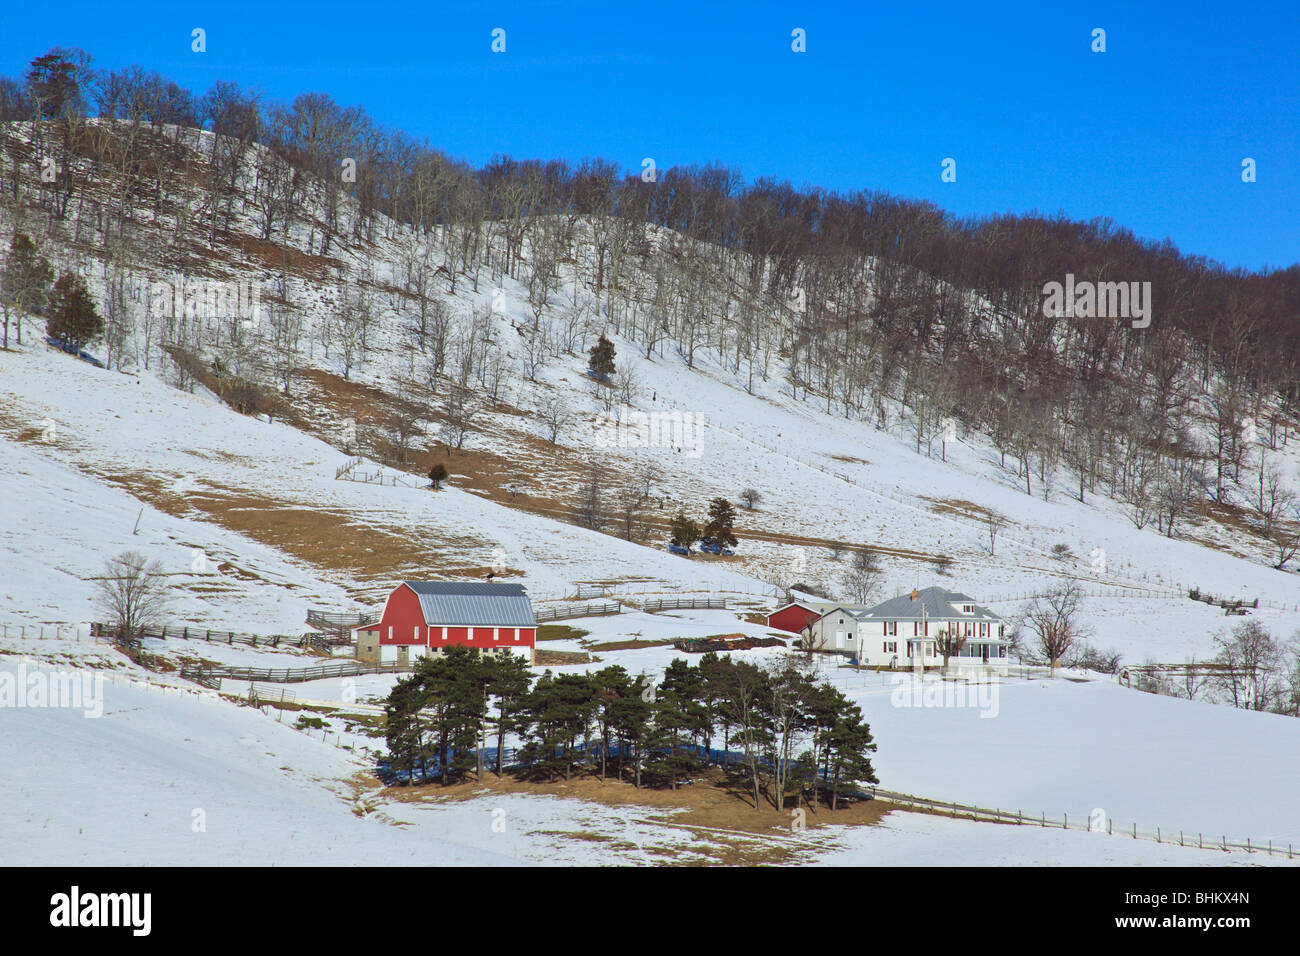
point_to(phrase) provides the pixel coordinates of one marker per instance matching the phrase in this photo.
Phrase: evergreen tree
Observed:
(631, 717)
(849, 746)
(601, 363)
(611, 684)
(555, 715)
(722, 516)
(672, 751)
(73, 317)
(685, 532)
(437, 475)
(402, 726)
(509, 682)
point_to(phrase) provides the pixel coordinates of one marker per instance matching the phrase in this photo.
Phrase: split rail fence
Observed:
(577, 610)
(1131, 831)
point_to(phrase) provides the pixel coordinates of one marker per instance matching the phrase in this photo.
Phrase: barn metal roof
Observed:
(473, 603)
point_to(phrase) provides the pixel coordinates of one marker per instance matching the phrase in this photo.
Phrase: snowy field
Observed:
(174, 777)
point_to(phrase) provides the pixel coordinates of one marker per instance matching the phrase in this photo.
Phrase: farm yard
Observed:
(326, 734)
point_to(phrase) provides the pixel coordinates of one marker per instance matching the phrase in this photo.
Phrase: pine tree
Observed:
(601, 363)
(685, 532)
(631, 718)
(722, 516)
(402, 725)
(509, 682)
(849, 746)
(73, 317)
(611, 684)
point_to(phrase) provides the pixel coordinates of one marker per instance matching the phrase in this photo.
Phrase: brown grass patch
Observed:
(330, 539)
(545, 658)
(729, 830)
(631, 645)
(958, 507)
(560, 632)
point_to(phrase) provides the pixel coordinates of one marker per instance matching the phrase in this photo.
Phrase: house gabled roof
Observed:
(937, 604)
(849, 610)
(469, 603)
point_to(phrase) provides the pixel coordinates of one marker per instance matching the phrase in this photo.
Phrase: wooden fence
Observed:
(577, 610)
(685, 604)
(1130, 831)
(185, 632)
(47, 632)
(338, 621)
(206, 674)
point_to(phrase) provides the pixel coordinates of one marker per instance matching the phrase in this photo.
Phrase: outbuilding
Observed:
(796, 616)
(423, 617)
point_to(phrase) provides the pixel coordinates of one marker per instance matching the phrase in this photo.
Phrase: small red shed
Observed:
(793, 617)
(422, 617)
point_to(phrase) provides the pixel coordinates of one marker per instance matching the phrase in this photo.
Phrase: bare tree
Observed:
(862, 576)
(1273, 496)
(1286, 540)
(1248, 670)
(993, 524)
(1054, 621)
(557, 417)
(949, 642)
(132, 593)
(461, 408)
(750, 497)
(630, 499)
(592, 508)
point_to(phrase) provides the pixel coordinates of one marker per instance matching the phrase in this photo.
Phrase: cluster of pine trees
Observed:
(774, 730)
(718, 530)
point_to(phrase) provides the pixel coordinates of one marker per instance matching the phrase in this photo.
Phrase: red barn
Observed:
(793, 617)
(422, 617)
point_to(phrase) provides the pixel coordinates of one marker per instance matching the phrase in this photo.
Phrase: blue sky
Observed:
(1150, 133)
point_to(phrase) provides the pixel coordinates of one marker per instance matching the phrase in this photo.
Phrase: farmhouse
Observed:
(902, 631)
(423, 617)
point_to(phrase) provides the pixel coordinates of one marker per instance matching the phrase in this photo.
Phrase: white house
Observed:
(902, 631)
